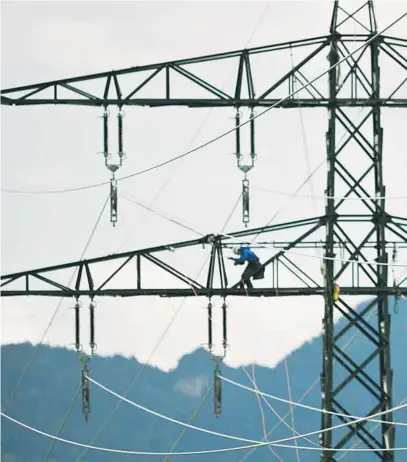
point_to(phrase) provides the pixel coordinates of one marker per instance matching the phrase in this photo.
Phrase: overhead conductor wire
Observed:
(370, 418)
(213, 140)
(304, 406)
(341, 456)
(277, 443)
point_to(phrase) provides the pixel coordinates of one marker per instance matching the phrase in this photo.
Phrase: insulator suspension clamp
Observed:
(113, 200)
(245, 201)
(85, 393)
(217, 386)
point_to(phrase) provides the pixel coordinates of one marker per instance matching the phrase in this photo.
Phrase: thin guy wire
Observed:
(62, 424)
(287, 374)
(281, 419)
(236, 438)
(304, 406)
(191, 419)
(263, 419)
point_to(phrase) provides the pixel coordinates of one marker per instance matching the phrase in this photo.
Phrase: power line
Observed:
(236, 438)
(213, 140)
(169, 419)
(238, 448)
(305, 406)
(374, 428)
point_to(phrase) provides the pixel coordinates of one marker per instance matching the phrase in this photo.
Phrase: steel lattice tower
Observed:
(364, 231)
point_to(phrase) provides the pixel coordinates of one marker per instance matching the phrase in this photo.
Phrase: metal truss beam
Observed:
(215, 280)
(113, 91)
(176, 293)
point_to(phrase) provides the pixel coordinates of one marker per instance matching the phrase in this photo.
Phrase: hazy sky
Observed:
(46, 147)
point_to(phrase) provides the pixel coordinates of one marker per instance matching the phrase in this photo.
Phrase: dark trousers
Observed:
(251, 269)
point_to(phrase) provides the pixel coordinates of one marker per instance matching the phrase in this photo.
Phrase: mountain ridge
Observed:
(47, 391)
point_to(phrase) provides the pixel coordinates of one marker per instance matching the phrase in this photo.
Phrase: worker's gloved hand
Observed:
(230, 258)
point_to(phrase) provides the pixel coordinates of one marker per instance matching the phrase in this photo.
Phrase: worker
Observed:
(253, 269)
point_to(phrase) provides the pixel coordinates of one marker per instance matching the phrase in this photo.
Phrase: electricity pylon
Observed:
(362, 232)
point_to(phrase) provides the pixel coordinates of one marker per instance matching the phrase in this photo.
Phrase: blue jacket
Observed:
(246, 255)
